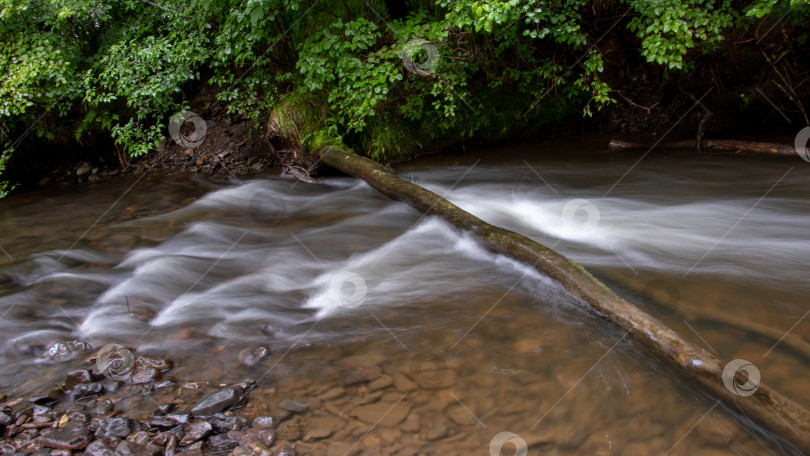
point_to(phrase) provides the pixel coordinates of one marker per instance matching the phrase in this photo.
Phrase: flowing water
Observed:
(338, 279)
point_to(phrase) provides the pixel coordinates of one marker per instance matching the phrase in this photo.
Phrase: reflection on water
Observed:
(334, 275)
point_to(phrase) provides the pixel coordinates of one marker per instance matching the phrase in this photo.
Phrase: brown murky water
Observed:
(404, 336)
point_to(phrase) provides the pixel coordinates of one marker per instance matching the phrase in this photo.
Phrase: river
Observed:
(338, 279)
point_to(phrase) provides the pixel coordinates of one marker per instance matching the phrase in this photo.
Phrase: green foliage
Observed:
(70, 69)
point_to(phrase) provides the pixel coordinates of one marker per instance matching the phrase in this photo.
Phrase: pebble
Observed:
(195, 431)
(126, 448)
(360, 374)
(322, 427)
(218, 401)
(263, 436)
(143, 374)
(66, 351)
(252, 355)
(291, 430)
(86, 390)
(382, 413)
(264, 422)
(333, 393)
(77, 377)
(293, 406)
(382, 382)
(156, 362)
(98, 448)
(403, 384)
(221, 444)
(74, 436)
(226, 423)
(116, 427)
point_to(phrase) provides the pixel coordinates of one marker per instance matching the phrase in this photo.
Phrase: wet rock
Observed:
(61, 452)
(66, 351)
(86, 390)
(156, 362)
(382, 413)
(104, 406)
(163, 424)
(83, 169)
(333, 393)
(195, 449)
(171, 445)
(42, 413)
(218, 401)
(225, 423)
(382, 382)
(164, 409)
(221, 444)
(293, 406)
(291, 430)
(116, 427)
(98, 448)
(5, 419)
(140, 437)
(168, 383)
(126, 448)
(77, 377)
(74, 436)
(411, 424)
(141, 375)
(264, 422)
(45, 399)
(195, 431)
(322, 427)
(264, 436)
(181, 418)
(251, 356)
(437, 433)
(77, 416)
(22, 418)
(360, 374)
(286, 450)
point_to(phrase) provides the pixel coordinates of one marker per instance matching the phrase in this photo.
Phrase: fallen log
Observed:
(790, 340)
(765, 406)
(746, 147)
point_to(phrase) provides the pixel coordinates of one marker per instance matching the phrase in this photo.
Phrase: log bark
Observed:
(770, 409)
(729, 145)
(790, 340)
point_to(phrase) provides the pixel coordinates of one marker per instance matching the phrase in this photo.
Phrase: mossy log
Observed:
(767, 407)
